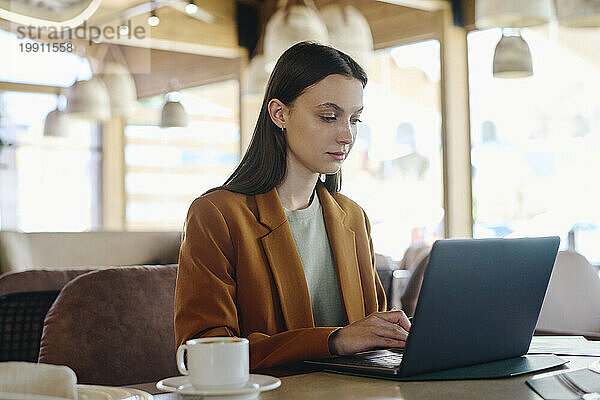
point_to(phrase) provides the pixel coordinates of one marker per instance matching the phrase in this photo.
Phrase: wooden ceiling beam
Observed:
(154, 71)
(425, 5)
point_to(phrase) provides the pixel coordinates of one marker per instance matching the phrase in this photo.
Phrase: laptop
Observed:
(479, 303)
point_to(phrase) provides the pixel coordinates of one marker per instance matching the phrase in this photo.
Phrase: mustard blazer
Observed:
(240, 274)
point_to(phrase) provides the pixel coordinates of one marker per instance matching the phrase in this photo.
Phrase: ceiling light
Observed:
(290, 25)
(191, 8)
(349, 32)
(512, 58)
(173, 115)
(56, 123)
(88, 100)
(123, 29)
(153, 19)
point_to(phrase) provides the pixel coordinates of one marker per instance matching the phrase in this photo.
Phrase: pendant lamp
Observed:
(512, 57)
(56, 123)
(578, 13)
(173, 115)
(512, 13)
(120, 88)
(292, 24)
(349, 32)
(88, 100)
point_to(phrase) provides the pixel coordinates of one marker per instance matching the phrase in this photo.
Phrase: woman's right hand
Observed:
(376, 330)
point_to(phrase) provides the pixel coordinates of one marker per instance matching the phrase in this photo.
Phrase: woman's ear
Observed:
(278, 112)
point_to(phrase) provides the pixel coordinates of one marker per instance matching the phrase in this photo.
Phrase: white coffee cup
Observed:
(215, 362)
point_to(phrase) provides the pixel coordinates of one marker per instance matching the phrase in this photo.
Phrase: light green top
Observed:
(308, 229)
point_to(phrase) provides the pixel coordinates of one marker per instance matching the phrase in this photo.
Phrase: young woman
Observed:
(276, 254)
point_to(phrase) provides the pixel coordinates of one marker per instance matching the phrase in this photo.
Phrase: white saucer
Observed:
(256, 384)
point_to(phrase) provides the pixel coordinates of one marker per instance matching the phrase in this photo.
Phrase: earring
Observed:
(283, 130)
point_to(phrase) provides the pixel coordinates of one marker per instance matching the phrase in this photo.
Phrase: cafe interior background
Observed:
(481, 118)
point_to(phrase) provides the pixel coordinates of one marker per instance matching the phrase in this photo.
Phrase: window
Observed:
(395, 168)
(535, 141)
(47, 183)
(166, 169)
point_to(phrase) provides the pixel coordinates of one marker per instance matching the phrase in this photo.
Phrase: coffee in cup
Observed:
(215, 362)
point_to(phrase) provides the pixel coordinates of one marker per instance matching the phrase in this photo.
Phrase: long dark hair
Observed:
(264, 165)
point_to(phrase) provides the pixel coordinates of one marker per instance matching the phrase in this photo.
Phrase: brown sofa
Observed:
(114, 326)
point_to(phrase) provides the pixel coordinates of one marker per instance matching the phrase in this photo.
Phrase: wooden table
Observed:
(322, 385)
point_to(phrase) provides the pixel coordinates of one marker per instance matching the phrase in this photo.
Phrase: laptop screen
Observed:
(479, 301)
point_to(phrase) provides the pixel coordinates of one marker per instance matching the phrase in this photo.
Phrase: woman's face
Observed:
(321, 125)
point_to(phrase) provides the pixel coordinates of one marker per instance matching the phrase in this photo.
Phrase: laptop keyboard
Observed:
(381, 361)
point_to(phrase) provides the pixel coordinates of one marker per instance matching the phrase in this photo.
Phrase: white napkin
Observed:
(38, 379)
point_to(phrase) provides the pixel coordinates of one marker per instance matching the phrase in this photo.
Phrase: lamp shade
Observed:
(173, 115)
(257, 75)
(512, 58)
(578, 13)
(288, 27)
(88, 100)
(121, 88)
(512, 13)
(349, 32)
(56, 123)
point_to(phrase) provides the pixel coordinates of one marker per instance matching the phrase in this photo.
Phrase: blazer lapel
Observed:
(343, 245)
(284, 261)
